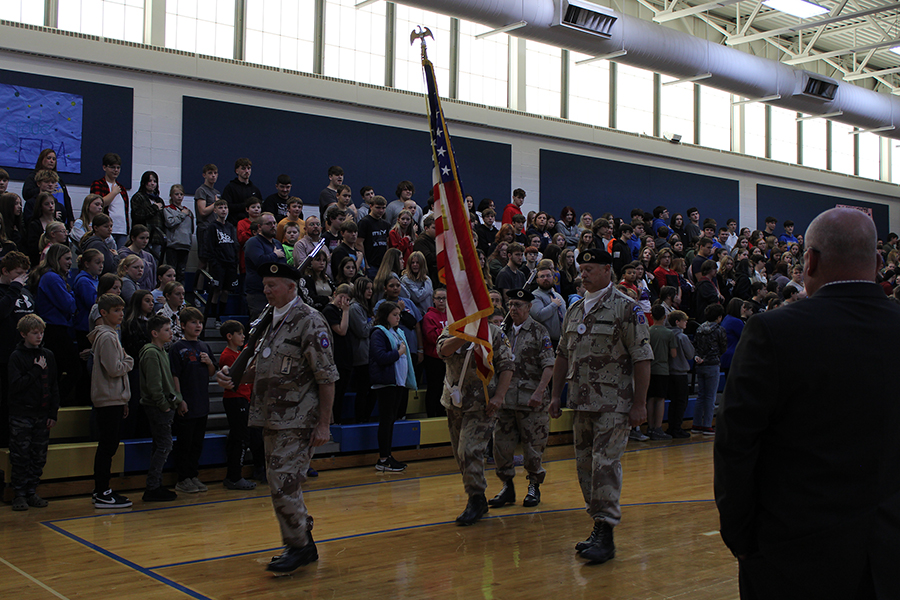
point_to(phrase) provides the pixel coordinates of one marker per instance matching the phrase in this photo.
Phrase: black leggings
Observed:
(388, 404)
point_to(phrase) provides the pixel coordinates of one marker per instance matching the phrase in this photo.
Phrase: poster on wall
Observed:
(32, 119)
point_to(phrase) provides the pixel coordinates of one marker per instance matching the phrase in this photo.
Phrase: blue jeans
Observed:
(707, 387)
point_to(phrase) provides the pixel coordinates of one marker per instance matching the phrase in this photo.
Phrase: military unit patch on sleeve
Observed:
(547, 342)
(639, 314)
(323, 340)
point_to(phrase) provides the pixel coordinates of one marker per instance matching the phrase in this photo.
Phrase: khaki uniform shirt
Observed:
(601, 348)
(293, 358)
(532, 353)
(472, 389)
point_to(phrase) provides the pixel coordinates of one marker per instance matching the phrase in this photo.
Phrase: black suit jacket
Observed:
(807, 450)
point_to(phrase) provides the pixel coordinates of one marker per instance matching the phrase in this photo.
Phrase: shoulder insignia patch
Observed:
(323, 340)
(547, 342)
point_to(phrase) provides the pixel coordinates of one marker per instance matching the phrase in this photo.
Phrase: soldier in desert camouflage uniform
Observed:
(604, 354)
(470, 421)
(524, 415)
(293, 392)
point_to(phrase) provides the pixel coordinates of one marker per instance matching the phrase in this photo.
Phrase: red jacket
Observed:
(433, 324)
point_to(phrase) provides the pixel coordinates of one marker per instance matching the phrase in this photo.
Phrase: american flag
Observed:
(468, 302)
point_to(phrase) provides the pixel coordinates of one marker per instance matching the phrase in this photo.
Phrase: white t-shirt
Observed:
(117, 214)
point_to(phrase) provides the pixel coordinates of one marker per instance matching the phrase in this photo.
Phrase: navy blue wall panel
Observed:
(304, 146)
(803, 207)
(598, 185)
(108, 126)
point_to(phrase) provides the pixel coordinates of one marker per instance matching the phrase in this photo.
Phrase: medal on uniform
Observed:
(581, 328)
(267, 353)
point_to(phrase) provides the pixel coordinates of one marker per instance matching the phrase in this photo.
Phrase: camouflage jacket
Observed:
(472, 389)
(532, 353)
(291, 362)
(601, 348)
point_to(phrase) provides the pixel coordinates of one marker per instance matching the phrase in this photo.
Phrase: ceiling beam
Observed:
(746, 26)
(743, 39)
(858, 76)
(818, 33)
(672, 15)
(799, 60)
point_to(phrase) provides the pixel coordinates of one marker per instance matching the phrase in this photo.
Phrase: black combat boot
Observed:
(293, 558)
(603, 548)
(475, 509)
(506, 496)
(533, 497)
(591, 539)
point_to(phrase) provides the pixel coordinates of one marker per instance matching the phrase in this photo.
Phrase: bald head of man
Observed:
(840, 246)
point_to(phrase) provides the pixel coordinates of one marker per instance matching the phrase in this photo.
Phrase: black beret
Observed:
(594, 256)
(520, 294)
(274, 269)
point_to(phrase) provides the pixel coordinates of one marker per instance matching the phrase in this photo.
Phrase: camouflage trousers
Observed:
(469, 435)
(287, 460)
(28, 441)
(530, 427)
(600, 440)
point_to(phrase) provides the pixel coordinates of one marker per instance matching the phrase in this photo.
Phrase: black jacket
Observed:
(33, 391)
(15, 302)
(221, 244)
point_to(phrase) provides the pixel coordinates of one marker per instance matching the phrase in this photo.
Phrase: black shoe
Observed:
(294, 558)
(506, 496)
(110, 499)
(603, 549)
(475, 509)
(533, 497)
(590, 540)
(160, 494)
(678, 434)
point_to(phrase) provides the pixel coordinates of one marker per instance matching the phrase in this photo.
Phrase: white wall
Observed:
(161, 78)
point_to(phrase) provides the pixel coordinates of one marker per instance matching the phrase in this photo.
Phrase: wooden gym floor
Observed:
(386, 535)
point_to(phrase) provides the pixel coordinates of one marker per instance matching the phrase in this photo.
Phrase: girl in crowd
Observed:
(346, 271)
(138, 239)
(664, 274)
(742, 244)
(55, 233)
(737, 311)
(13, 221)
(485, 270)
(109, 283)
(47, 162)
(164, 274)
(44, 214)
(179, 231)
(134, 336)
(676, 225)
(391, 263)
(360, 324)
(337, 314)
(742, 282)
(640, 281)
(586, 223)
(726, 278)
(559, 240)
(433, 323)
(55, 303)
(498, 259)
(92, 206)
(171, 308)
(90, 266)
(415, 282)
(507, 234)
(401, 235)
(585, 242)
(679, 265)
(391, 374)
(317, 286)
(147, 210)
(797, 279)
(677, 245)
(130, 270)
(647, 257)
(567, 273)
(101, 230)
(568, 227)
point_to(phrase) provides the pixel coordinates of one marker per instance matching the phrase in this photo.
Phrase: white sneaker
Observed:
(201, 487)
(187, 486)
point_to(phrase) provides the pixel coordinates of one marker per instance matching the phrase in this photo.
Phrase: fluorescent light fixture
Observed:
(798, 8)
(896, 49)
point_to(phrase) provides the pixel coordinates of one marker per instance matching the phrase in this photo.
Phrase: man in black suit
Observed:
(807, 465)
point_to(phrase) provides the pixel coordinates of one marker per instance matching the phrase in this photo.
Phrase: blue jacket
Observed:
(55, 303)
(85, 289)
(382, 359)
(259, 251)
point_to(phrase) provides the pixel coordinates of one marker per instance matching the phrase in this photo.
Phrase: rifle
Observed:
(259, 326)
(506, 325)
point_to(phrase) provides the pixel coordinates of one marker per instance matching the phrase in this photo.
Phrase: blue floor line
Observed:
(341, 487)
(128, 563)
(409, 527)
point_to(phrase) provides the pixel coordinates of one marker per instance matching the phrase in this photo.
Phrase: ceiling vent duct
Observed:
(585, 16)
(818, 87)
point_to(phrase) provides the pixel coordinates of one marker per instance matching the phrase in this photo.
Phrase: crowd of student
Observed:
(114, 327)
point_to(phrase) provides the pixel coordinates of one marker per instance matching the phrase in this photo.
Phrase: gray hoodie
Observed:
(680, 365)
